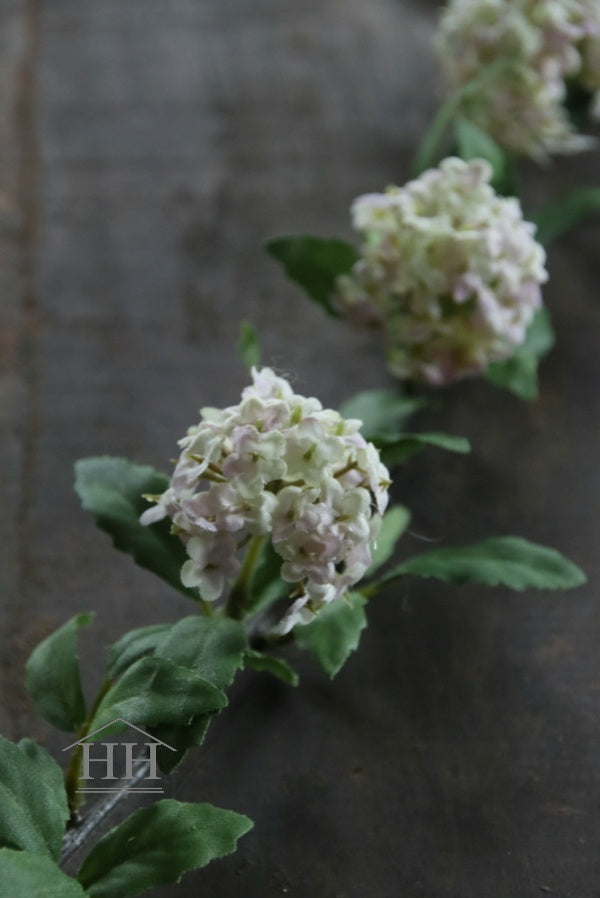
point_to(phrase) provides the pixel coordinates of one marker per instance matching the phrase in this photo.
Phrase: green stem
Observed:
(427, 150)
(239, 594)
(370, 590)
(207, 608)
(73, 772)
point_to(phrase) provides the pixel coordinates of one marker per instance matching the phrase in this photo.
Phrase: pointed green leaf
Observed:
(179, 737)
(25, 875)
(395, 521)
(210, 646)
(500, 561)
(565, 213)
(157, 845)
(248, 345)
(335, 633)
(277, 667)
(133, 646)
(315, 264)
(113, 489)
(519, 373)
(411, 443)
(154, 691)
(53, 678)
(383, 413)
(33, 805)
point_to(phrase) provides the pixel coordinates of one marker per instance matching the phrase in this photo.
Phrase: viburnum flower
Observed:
(539, 48)
(449, 271)
(277, 465)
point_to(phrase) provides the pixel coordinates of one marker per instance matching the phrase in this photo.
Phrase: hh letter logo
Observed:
(135, 761)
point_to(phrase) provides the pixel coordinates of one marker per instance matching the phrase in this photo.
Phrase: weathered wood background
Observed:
(148, 148)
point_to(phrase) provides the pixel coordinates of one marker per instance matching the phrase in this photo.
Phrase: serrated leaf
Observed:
(180, 738)
(53, 677)
(248, 345)
(395, 521)
(113, 489)
(411, 443)
(212, 647)
(335, 633)
(519, 373)
(566, 212)
(266, 586)
(314, 263)
(473, 143)
(154, 691)
(33, 805)
(26, 875)
(383, 413)
(277, 667)
(157, 845)
(133, 646)
(500, 561)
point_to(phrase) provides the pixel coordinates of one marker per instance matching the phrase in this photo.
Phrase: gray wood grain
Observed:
(148, 150)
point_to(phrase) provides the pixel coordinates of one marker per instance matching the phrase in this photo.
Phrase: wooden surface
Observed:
(148, 148)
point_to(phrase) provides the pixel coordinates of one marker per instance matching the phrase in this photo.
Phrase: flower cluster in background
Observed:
(281, 465)
(544, 47)
(448, 269)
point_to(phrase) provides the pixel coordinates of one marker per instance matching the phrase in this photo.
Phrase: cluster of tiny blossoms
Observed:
(449, 270)
(537, 48)
(277, 465)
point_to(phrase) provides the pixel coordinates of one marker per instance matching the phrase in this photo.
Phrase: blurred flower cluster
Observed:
(449, 270)
(545, 48)
(281, 465)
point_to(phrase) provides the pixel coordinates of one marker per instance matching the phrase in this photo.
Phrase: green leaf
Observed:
(411, 443)
(395, 522)
(473, 143)
(266, 586)
(277, 667)
(565, 213)
(53, 678)
(212, 647)
(500, 561)
(519, 373)
(315, 264)
(248, 345)
(383, 413)
(25, 875)
(154, 691)
(335, 633)
(33, 805)
(113, 489)
(157, 845)
(133, 646)
(180, 737)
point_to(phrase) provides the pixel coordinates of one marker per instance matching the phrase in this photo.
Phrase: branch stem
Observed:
(239, 594)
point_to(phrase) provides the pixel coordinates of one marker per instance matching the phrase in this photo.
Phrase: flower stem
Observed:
(427, 150)
(75, 837)
(239, 595)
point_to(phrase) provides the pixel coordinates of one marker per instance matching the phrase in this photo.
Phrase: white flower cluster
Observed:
(449, 270)
(281, 465)
(538, 47)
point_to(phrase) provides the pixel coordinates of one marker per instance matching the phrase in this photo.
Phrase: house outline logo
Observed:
(130, 761)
